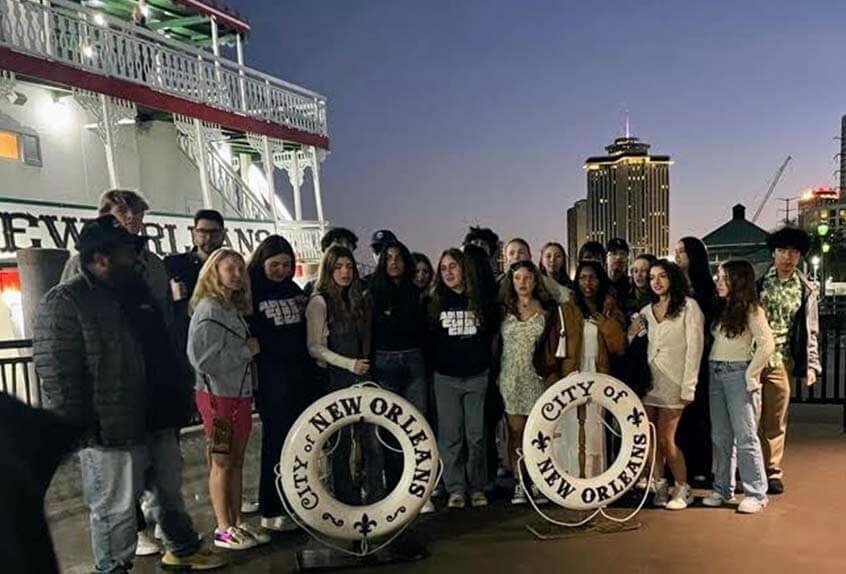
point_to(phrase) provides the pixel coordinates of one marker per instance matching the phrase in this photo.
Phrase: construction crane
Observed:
(769, 193)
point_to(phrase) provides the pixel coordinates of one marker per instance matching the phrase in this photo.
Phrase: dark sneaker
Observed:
(775, 486)
(199, 561)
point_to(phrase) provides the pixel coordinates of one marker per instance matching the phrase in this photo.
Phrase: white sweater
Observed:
(318, 336)
(755, 344)
(676, 344)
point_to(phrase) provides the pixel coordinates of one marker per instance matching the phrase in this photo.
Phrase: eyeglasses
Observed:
(208, 232)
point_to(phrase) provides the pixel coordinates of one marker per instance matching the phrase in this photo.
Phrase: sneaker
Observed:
(537, 496)
(681, 499)
(643, 484)
(233, 539)
(751, 505)
(279, 524)
(159, 534)
(249, 506)
(146, 546)
(478, 499)
(200, 560)
(662, 492)
(775, 486)
(715, 500)
(456, 500)
(519, 496)
(257, 534)
(428, 507)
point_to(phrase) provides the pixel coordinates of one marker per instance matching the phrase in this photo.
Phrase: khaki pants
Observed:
(775, 399)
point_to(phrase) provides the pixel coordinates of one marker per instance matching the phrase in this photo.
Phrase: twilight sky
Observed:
(449, 113)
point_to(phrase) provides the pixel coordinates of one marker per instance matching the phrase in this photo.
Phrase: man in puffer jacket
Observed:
(93, 348)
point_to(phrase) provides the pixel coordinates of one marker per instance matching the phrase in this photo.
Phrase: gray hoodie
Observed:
(217, 349)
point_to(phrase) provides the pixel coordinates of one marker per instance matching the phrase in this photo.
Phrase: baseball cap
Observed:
(617, 244)
(382, 237)
(103, 234)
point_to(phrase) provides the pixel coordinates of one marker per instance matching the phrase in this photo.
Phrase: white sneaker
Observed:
(751, 505)
(428, 507)
(456, 500)
(519, 495)
(662, 492)
(537, 496)
(249, 506)
(146, 546)
(715, 500)
(682, 498)
(233, 539)
(259, 536)
(279, 524)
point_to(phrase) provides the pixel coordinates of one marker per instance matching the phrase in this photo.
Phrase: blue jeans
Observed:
(461, 431)
(734, 431)
(112, 482)
(404, 373)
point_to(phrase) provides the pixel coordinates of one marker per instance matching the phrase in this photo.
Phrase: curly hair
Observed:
(679, 287)
(343, 304)
(733, 311)
(209, 284)
(484, 234)
(508, 295)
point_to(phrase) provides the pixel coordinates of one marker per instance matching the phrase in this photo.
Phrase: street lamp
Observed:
(825, 247)
(815, 263)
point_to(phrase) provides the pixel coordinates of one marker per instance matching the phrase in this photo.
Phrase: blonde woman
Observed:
(221, 350)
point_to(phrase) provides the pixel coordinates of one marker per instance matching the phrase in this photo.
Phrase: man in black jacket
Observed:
(101, 349)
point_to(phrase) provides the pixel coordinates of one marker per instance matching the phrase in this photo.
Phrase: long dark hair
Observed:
(679, 287)
(380, 282)
(699, 272)
(508, 295)
(471, 287)
(601, 293)
(270, 247)
(343, 305)
(561, 276)
(732, 313)
(422, 258)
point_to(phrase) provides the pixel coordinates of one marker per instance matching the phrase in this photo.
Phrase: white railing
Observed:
(69, 33)
(304, 237)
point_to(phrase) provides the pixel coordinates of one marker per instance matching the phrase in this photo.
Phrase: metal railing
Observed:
(78, 36)
(17, 375)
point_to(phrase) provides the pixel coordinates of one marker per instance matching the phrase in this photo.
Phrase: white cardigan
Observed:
(676, 345)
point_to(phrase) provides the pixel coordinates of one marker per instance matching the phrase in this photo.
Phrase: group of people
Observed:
(128, 344)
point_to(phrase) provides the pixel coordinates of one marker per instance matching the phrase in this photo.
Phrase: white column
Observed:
(108, 141)
(215, 39)
(315, 178)
(296, 182)
(200, 142)
(239, 46)
(267, 159)
(48, 28)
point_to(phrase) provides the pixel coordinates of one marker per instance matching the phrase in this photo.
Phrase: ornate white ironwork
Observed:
(121, 112)
(65, 32)
(7, 83)
(223, 178)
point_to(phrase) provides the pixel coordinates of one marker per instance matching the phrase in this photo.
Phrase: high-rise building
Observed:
(843, 154)
(576, 232)
(628, 196)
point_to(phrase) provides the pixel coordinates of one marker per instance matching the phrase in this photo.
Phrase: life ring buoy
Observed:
(547, 473)
(315, 505)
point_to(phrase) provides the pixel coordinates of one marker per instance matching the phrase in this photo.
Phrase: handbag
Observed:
(223, 427)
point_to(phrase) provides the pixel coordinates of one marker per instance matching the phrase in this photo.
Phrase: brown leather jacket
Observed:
(612, 341)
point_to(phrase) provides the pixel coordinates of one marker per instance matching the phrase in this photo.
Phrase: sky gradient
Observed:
(446, 114)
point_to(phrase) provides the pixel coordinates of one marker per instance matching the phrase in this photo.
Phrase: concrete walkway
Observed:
(801, 531)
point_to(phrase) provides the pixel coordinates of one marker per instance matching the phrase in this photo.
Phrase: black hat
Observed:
(787, 237)
(103, 234)
(382, 237)
(617, 244)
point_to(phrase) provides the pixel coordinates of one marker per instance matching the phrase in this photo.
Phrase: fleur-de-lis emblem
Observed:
(636, 417)
(365, 525)
(542, 441)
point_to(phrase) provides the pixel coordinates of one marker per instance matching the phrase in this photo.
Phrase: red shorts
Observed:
(225, 407)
